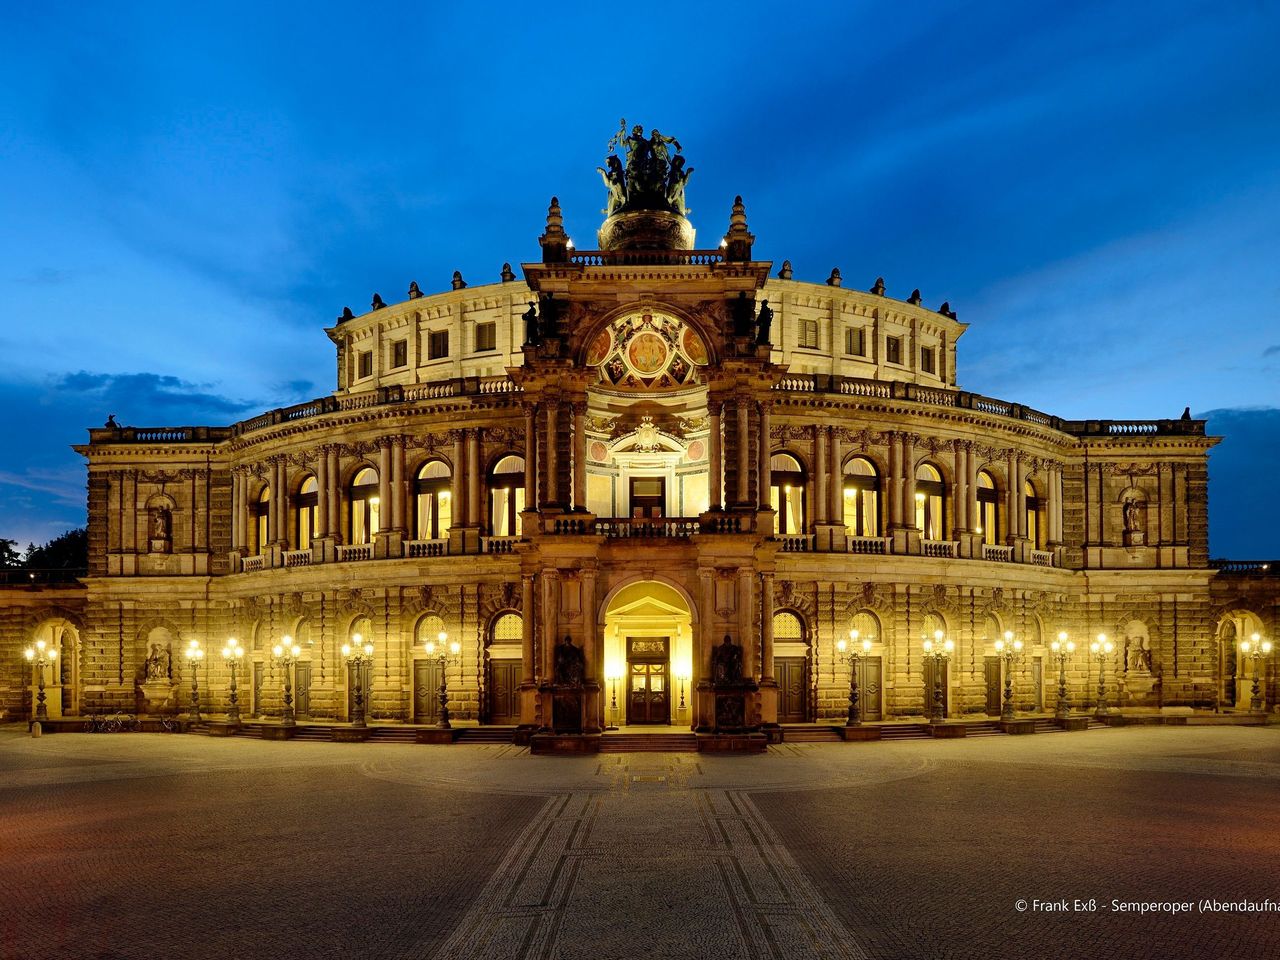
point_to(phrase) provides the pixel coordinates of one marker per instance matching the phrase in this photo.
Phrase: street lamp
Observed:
(1255, 648)
(285, 653)
(1101, 649)
(938, 651)
(614, 675)
(850, 652)
(1011, 650)
(1062, 649)
(40, 656)
(444, 652)
(232, 653)
(358, 656)
(194, 654)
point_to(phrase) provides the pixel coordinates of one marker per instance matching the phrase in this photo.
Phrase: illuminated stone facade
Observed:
(637, 465)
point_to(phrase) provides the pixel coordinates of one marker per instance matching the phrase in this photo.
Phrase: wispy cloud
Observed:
(139, 393)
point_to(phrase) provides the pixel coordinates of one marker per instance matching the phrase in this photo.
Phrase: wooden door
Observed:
(648, 693)
(259, 669)
(869, 669)
(929, 669)
(302, 689)
(793, 689)
(504, 701)
(426, 691)
(1037, 684)
(648, 497)
(995, 695)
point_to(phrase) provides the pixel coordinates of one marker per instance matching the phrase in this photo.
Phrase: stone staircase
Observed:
(649, 743)
(810, 733)
(904, 731)
(392, 735)
(491, 734)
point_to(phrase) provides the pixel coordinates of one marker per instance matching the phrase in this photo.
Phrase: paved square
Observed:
(143, 846)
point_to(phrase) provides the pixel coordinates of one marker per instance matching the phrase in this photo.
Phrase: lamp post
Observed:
(1062, 649)
(613, 678)
(285, 653)
(1011, 651)
(40, 656)
(851, 651)
(358, 653)
(938, 651)
(1255, 648)
(232, 653)
(1101, 649)
(444, 652)
(194, 654)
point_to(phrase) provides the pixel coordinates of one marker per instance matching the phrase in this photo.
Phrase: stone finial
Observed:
(507, 274)
(878, 287)
(737, 242)
(458, 282)
(785, 272)
(554, 243)
(946, 310)
(1186, 413)
(834, 279)
(915, 297)
(377, 303)
(346, 315)
(414, 290)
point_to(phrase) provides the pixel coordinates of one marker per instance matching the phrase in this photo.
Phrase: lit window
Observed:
(308, 496)
(365, 506)
(506, 496)
(861, 498)
(260, 512)
(787, 494)
(1033, 516)
(929, 499)
(433, 506)
(486, 336)
(988, 509)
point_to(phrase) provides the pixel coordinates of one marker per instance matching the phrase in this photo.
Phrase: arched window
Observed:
(988, 509)
(508, 628)
(506, 496)
(428, 628)
(930, 519)
(867, 625)
(787, 493)
(259, 513)
(787, 627)
(433, 503)
(364, 506)
(862, 498)
(1033, 516)
(308, 497)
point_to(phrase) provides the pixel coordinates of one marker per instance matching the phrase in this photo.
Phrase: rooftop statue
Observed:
(651, 178)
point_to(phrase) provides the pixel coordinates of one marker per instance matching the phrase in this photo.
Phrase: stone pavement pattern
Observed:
(141, 846)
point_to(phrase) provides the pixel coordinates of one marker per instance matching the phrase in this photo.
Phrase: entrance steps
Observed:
(313, 734)
(984, 728)
(810, 733)
(392, 735)
(492, 734)
(904, 731)
(649, 743)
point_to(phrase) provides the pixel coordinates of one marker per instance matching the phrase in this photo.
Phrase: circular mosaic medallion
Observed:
(694, 348)
(599, 348)
(695, 450)
(647, 353)
(599, 452)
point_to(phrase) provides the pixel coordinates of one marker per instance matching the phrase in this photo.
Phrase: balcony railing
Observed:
(254, 563)
(426, 548)
(297, 558)
(995, 551)
(939, 548)
(646, 258)
(499, 544)
(638, 528)
(1042, 558)
(355, 551)
(1258, 568)
(875, 545)
(796, 542)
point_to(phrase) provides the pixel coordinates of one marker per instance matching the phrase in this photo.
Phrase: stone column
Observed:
(457, 480)
(551, 493)
(820, 474)
(715, 457)
(473, 477)
(1055, 505)
(530, 457)
(893, 486)
(704, 699)
(282, 502)
(322, 492)
(1010, 495)
(526, 628)
(397, 485)
(744, 451)
(384, 484)
(592, 655)
(766, 452)
(579, 457)
(835, 512)
(961, 508)
(334, 495)
(908, 481)
(1020, 498)
(766, 624)
(237, 528)
(746, 633)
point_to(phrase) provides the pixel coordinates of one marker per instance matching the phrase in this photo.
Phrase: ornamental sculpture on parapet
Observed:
(651, 179)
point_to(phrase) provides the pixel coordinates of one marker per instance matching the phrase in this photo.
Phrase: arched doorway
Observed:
(503, 664)
(62, 673)
(648, 655)
(791, 667)
(1234, 678)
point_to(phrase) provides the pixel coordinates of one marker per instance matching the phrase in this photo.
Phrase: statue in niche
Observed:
(764, 323)
(570, 664)
(157, 665)
(726, 663)
(160, 529)
(1138, 655)
(1132, 515)
(531, 333)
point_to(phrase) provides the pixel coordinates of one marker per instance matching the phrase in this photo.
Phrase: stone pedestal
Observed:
(946, 731)
(859, 733)
(733, 707)
(158, 696)
(1073, 723)
(273, 731)
(1138, 687)
(1018, 727)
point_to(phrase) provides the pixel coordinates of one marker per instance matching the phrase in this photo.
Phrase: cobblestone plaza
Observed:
(142, 846)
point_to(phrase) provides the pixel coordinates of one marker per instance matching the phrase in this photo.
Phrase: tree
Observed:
(67, 552)
(10, 559)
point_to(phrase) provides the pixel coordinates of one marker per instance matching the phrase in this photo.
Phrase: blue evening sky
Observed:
(191, 192)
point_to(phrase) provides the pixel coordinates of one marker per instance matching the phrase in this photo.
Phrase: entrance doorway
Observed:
(930, 672)
(793, 689)
(504, 703)
(648, 680)
(426, 691)
(991, 668)
(648, 497)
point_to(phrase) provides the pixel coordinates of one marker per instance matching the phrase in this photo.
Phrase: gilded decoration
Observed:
(647, 351)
